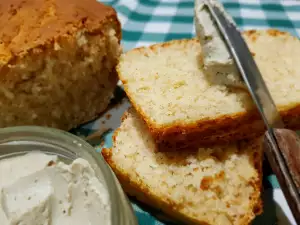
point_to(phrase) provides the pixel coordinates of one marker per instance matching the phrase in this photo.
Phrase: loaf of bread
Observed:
(219, 185)
(166, 84)
(57, 61)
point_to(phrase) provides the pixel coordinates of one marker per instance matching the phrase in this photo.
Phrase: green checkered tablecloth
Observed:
(146, 22)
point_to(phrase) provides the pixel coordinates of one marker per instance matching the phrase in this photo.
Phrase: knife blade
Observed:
(282, 146)
(247, 68)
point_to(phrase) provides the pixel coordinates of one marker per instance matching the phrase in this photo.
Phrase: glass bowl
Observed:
(16, 141)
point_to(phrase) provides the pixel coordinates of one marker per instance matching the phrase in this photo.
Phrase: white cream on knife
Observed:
(217, 61)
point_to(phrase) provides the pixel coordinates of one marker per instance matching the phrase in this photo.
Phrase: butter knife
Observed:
(282, 146)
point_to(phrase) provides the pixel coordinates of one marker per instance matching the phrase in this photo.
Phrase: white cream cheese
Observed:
(217, 61)
(37, 189)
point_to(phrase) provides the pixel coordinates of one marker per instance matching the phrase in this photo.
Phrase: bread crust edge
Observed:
(143, 194)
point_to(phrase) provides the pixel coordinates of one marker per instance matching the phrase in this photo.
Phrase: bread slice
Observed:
(57, 61)
(166, 84)
(218, 185)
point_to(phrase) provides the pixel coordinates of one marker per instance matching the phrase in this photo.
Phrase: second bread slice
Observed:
(167, 86)
(220, 185)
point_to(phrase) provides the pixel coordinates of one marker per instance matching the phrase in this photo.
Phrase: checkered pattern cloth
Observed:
(150, 21)
(146, 22)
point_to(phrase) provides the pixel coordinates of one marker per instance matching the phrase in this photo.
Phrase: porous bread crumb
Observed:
(219, 185)
(56, 65)
(278, 65)
(152, 77)
(177, 114)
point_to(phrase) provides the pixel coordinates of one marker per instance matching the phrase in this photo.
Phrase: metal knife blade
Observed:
(282, 146)
(248, 68)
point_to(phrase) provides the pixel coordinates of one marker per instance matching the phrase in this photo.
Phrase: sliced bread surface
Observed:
(166, 85)
(220, 185)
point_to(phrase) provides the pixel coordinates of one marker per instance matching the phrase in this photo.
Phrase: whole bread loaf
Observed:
(182, 108)
(217, 185)
(57, 60)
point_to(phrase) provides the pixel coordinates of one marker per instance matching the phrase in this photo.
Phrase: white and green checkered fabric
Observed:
(147, 22)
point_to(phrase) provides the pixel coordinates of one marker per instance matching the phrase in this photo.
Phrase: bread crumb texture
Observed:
(216, 185)
(166, 84)
(57, 61)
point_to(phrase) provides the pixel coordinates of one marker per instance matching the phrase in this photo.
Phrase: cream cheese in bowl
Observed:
(36, 188)
(54, 178)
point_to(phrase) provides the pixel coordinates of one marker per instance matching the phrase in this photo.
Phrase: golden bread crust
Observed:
(143, 194)
(136, 187)
(57, 61)
(29, 25)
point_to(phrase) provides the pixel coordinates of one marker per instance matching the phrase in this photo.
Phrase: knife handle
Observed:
(285, 162)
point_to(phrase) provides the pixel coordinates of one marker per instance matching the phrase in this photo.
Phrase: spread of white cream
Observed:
(217, 61)
(37, 189)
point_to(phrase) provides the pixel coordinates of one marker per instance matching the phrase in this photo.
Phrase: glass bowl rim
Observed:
(57, 136)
